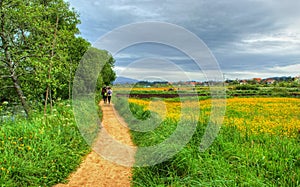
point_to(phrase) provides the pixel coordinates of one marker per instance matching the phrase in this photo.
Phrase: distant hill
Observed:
(125, 80)
(284, 78)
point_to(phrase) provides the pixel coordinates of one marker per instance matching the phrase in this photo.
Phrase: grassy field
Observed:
(258, 144)
(39, 152)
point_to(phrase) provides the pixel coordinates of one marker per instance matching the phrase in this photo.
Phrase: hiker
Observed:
(104, 94)
(109, 94)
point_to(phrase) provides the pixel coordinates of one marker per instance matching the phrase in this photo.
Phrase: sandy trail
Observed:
(96, 171)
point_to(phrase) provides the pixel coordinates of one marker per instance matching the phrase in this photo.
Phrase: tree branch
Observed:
(5, 87)
(5, 76)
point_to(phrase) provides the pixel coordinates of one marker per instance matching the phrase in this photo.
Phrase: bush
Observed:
(246, 87)
(280, 92)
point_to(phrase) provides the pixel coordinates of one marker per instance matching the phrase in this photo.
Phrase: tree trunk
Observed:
(70, 79)
(13, 76)
(48, 90)
(20, 94)
(9, 62)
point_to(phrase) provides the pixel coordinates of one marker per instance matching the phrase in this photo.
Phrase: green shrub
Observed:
(280, 92)
(247, 87)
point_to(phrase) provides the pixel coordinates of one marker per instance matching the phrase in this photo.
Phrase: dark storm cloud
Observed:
(248, 38)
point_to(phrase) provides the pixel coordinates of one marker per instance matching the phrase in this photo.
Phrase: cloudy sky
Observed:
(249, 38)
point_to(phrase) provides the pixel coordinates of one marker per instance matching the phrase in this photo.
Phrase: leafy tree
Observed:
(76, 49)
(14, 31)
(39, 51)
(107, 73)
(88, 79)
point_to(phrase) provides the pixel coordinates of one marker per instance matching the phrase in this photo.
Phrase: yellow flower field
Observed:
(249, 115)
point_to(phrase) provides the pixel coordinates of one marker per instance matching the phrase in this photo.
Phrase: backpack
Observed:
(109, 92)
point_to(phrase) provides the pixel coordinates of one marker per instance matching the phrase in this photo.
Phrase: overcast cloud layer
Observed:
(249, 38)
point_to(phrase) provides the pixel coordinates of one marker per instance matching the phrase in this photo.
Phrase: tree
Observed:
(39, 50)
(76, 49)
(14, 45)
(107, 73)
(94, 71)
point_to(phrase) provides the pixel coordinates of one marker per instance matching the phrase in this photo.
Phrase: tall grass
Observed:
(40, 153)
(234, 159)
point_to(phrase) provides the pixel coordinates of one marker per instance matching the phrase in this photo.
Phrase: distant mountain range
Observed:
(125, 80)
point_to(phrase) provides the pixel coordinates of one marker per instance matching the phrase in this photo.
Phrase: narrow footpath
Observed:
(95, 171)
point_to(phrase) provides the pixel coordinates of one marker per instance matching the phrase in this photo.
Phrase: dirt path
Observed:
(96, 171)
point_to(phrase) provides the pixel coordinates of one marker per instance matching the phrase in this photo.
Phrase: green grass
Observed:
(38, 153)
(234, 159)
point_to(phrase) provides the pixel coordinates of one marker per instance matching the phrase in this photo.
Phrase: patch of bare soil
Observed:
(95, 170)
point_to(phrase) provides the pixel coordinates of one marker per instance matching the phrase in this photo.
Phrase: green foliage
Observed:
(247, 87)
(279, 91)
(95, 70)
(107, 73)
(39, 55)
(35, 153)
(39, 50)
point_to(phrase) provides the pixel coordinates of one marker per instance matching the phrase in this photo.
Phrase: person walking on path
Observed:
(109, 94)
(104, 94)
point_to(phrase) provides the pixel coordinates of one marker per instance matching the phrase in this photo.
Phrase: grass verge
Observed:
(38, 153)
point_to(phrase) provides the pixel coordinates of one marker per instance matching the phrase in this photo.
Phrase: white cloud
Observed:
(288, 70)
(161, 69)
(135, 10)
(158, 74)
(277, 44)
(131, 56)
(121, 56)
